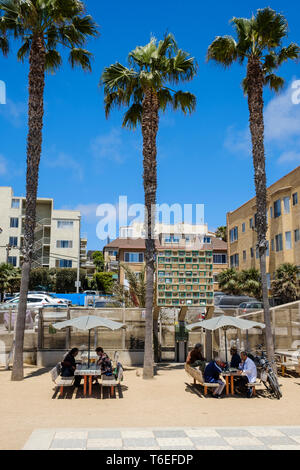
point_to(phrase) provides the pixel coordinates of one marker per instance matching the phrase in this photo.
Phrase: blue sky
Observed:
(203, 159)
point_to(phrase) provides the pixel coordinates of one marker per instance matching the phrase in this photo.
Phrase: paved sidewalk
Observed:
(189, 438)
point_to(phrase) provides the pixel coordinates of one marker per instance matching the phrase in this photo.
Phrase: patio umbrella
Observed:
(226, 322)
(89, 323)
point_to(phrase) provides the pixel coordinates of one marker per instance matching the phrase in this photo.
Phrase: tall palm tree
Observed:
(260, 44)
(42, 26)
(144, 88)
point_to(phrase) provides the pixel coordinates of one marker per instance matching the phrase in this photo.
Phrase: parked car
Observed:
(50, 298)
(90, 292)
(33, 301)
(248, 307)
(232, 301)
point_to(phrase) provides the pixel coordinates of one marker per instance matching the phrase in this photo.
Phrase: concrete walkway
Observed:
(225, 438)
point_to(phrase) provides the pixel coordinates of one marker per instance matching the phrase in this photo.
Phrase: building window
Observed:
(113, 253)
(234, 234)
(286, 205)
(277, 208)
(15, 203)
(220, 259)
(288, 240)
(12, 260)
(295, 199)
(64, 244)
(244, 255)
(297, 235)
(134, 257)
(255, 220)
(13, 241)
(257, 253)
(14, 222)
(251, 252)
(234, 261)
(243, 227)
(207, 239)
(268, 249)
(172, 239)
(271, 212)
(251, 223)
(65, 263)
(272, 244)
(278, 240)
(65, 224)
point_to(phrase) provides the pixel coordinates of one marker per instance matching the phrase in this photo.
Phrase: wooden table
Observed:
(88, 374)
(231, 375)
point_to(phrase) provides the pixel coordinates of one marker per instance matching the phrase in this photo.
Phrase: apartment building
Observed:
(188, 260)
(57, 234)
(283, 235)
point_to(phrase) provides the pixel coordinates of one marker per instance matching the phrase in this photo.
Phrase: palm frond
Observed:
(133, 116)
(185, 101)
(53, 60)
(271, 27)
(223, 50)
(291, 52)
(24, 50)
(80, 57)
(275, 82)
(4, 45)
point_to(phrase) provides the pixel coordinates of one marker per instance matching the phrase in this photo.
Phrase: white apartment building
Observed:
(57, 234)
(137, 230)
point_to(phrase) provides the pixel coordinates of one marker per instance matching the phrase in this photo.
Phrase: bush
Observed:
(104, 282)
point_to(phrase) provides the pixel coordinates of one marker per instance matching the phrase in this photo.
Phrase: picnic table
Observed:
(231, 374)
(88, 374)
(288, 358)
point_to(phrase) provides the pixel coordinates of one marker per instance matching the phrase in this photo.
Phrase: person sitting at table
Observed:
(68, 366)
(104, 362)
(195, 357)
(248, 368)
(212, 374)
(235, 358)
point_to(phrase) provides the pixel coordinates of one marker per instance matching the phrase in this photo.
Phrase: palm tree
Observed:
(144, 89)
(228, 281)
(250, 281)
(135, 294)
(285, 284)
(42, 26)
(221, 232)
(260, 44)
(9, 278)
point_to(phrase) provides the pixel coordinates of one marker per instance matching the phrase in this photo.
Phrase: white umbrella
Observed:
(226, 322)
(88, 323)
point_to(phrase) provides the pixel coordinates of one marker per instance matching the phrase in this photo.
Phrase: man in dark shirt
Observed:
(235, 358)
(195, 357)
(212, 374)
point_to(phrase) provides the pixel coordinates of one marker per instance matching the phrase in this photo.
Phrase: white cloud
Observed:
(282, 130)
(13, 112)
(108, 146)
(65, 162)
(289, 157)
(3, 165)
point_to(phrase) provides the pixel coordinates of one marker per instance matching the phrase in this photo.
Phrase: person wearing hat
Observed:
(235, 358)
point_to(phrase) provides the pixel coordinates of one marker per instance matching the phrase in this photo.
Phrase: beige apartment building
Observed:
(57, 234)
(283, 235)
(187, 262)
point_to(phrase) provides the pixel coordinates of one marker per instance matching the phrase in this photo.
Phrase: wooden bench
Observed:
(254, 385)
(64, 382)
(284, 365)
(111, 381)
(198, 377)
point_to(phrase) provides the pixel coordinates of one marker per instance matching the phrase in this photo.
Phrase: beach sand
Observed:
(168, 400)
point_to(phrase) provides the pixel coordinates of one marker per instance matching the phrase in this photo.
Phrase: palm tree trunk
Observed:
(255, 81)
(149, 131)
(34, 148)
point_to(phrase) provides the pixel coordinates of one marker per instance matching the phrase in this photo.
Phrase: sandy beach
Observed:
(168, 400)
